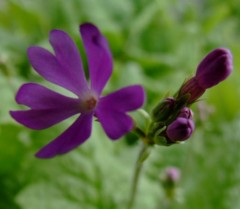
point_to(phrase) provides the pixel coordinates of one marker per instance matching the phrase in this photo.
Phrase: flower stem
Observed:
(143, 154)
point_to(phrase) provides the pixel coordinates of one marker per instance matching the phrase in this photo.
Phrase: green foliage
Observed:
(156, 43)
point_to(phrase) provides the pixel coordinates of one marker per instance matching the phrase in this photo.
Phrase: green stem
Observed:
(143, 154)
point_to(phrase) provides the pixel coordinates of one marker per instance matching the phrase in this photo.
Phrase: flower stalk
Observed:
(143, 155)
(172, 121)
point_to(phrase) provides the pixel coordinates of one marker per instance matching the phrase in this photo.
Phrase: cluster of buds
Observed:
(172, 119)
(173, 122)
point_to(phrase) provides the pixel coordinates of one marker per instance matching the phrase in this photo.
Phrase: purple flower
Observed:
(214, 68)
(65, 69)
(180, 129)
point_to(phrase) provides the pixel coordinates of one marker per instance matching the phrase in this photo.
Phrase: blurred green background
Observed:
(156, 43)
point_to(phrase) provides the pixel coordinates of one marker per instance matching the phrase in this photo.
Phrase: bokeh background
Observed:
(156, 43)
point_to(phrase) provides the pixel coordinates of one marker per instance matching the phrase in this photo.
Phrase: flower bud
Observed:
(170, 177)
(214, 68)
(163, 110)
(192, 89)
(186, 112)
(180, 129)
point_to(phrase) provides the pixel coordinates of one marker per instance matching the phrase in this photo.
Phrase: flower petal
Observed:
(98, 55)
(69, 57)
(75, 135)
(37, 96)
(125, 99)
(114, 123)
(42, 118)
(111, 110)
(48, 107)
(47, 65)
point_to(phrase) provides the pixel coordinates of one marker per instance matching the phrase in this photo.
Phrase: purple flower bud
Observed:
(192, 89)
(169, 179)
(186, 112)
(180, 129)
(172, 174)
(214, 68)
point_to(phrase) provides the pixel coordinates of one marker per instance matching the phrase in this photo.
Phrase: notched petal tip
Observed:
(23, 93)
(18, 97)
(18, 116)
(56, 32)
(99, 56)
(91, 30)
(56, 35)
(24, 117)
(94, 35)
(32, 50)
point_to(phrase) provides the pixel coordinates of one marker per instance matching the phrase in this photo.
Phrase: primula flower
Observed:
(213, 69)
(65, 69)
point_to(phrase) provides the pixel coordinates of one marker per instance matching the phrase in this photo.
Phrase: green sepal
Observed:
(161, 140)
(142, 121)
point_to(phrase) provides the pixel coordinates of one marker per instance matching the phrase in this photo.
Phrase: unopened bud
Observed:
(214, 68)
(163, 110)
(192, 89)
(180, 129)
(172, 174)
(186, 112)
(170, 177)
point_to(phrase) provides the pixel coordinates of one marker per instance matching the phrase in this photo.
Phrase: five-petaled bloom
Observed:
(65, 69)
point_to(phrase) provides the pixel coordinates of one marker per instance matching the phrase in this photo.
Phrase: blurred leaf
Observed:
(12, 152)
